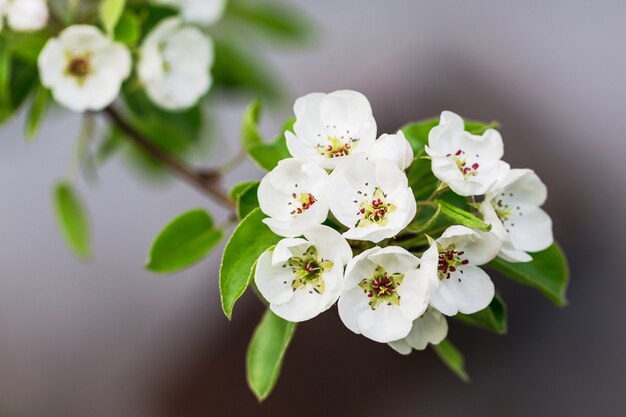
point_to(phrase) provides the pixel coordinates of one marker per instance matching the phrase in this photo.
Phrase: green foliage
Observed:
(279, 20)
(246, 198)
(184, 241)
(266, 352)
(110, 13)
(72, 219)
(36, 112)
(18, 77)
(249, 240)
(452, 358)
(128, 29)
(462, 217)
(492, 318)
(265, 154)
(547, 272)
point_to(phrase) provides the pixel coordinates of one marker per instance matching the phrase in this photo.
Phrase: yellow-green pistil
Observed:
(336, 147)
(79, 67)
(382, 287)
(375, 211)
(449, 261)
(308, 270)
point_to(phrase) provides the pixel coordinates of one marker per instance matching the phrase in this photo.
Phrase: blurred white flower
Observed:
(83, 68)
(25, 15)
(294, 196)
(331, 128)
(513, 209)
(469, 164)
(202, 12)
(372, 199)
(174, 64)
(303, 277)
(384, 293)
(431, 327)
(394, 148)
(464, 287)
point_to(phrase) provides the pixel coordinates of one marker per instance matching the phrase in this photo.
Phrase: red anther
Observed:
(459, 152)
(362, 211)
(329, 147)
(474, 165)
(464, 262)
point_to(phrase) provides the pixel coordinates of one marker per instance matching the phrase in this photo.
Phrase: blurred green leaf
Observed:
(452, 358)
(240, 188)
(462, 217)
(249, 240)
(110, 13)
(279, 20)
(184, 241)
(72, 219)
(265, 154)
(247, 200)
(266, 352)
(127, 29)
(27, 46)
(492, 318)
(36, 112)
(241, 69)
(548, 272)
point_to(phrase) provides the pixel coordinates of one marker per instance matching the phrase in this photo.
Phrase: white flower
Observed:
(384, 292)
(394, 148)
(330, 128)
(202, 12)
(294, 196)
(514, 211)
(83, 68)
(431, 327)
(464, 287)
(174, 64)
(372, 199)
(469, 164)
(26, 15)
(301, 278)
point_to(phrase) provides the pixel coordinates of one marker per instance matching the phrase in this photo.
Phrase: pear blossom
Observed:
(464, 287)
(372, 199)
(331, 128)
(83, 68)
(514, 211)
(293, 195)
(469, 164)
(25, 15)
(384, 292)
(174, 64)
(394, 148)
(201, 12)
(431, 327)
(303, 277)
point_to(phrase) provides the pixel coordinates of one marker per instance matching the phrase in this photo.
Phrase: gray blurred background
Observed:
(109, 339)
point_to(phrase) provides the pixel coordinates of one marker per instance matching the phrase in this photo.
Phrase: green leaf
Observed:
(416, 134)
(37, 109)
(265, 154)
(240, 188)
(249, 240)
(548, 272)
(247, 200)
(110, 13)
(452, 358)
(184, 241)
(492, 318)
(72, 219)
(127, 29)
(266, 352)
(462, 217)
(278, 20)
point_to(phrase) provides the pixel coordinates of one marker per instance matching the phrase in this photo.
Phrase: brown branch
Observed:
(208, 181)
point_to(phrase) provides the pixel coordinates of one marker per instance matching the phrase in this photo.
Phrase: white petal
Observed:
(287, 248)
(415, 293)
(360, 267)
(329, 243)
(401, 346)
(431, 327)
(204, 12)
(351, 305)
(479, 247)
(273, 282)
(395, 259)
(440, 137)
(394, 148)
(532, 231)
(466, 292)
(304, 305)
(385, 324)
(27, 15)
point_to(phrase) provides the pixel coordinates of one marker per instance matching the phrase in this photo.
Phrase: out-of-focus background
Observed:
(109, 339)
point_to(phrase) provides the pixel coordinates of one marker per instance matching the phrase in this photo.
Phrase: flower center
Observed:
(374, 211)
(382, 287)
(460, 159)
(79, 67)
(449, 261)
(302, 203)
(505, 212)
(308, 270)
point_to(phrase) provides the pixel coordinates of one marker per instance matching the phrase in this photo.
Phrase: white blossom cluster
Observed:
(342, 175)
(84, 68)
